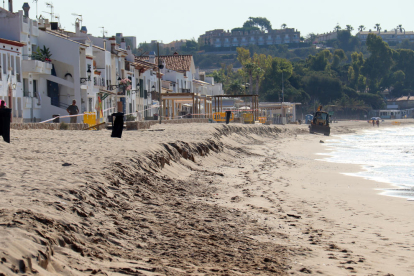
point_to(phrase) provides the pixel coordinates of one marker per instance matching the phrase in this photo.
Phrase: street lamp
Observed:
(89, 73)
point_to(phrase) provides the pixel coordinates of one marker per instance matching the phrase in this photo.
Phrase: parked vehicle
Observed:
(320, 122)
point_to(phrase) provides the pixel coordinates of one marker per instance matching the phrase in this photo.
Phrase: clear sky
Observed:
(168, 20)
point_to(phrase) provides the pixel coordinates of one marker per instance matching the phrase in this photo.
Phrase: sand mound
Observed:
(138, 213)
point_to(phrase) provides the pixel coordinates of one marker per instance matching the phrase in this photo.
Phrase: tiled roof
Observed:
(11, 42)
(141, 64)
(60, 35)
(179, 63)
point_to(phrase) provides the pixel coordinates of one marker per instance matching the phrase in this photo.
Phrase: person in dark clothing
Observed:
(5, 118)
(73, 110)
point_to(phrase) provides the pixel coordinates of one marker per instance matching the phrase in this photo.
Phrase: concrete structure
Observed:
(396, 36)
(223, 39)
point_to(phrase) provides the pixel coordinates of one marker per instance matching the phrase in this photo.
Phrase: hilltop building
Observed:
(225, 39)
(325, 37)
(396, 36)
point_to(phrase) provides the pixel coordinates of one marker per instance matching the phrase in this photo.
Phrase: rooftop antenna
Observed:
(103, 32)
(58, 18)
(50, 5)
(36, 7)
(79, 17)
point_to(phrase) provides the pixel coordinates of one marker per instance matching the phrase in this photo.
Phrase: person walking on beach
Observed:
(73, 110)
(377, 122)
(373, 122)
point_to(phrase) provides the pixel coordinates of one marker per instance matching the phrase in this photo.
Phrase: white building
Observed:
(396, 35)
(27, 72)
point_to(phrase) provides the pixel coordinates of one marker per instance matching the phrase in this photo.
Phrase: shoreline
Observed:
(210, 199)
(361, 206)
(365, 167)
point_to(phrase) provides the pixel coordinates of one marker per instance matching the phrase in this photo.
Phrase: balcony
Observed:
(36, 67)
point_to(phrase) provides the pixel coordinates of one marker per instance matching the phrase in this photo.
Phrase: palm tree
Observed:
(249, 67)
(361, 28)
(283, 26)
(378, 27)
(258, 72)
(337, 28)
(349, 28)
(399, 27)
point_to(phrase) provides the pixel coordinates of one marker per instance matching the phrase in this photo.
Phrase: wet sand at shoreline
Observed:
(201, 199)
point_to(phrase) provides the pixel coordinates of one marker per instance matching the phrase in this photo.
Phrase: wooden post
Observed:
(173, 109)
(193, 105)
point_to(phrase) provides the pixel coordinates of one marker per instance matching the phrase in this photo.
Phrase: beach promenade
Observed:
(195, 199)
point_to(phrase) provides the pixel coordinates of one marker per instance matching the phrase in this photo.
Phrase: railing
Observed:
(56, 103)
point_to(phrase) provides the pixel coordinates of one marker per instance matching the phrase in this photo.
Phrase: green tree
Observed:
(337, 28)
(258, 22)
(243, 55)
(379, 63)
(378, 27)
(349, 28)
(338, 57)
(283, 26)
(271, 86)
(322, 87)
(319, 62)
(361, 28)
(404, 61)
(235, 88)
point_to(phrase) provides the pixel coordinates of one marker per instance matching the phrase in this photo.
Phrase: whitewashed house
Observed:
(27, 74)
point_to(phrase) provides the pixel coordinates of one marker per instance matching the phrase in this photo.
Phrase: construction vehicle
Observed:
(320, 122)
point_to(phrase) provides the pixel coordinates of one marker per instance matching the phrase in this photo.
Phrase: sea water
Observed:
(386, 155)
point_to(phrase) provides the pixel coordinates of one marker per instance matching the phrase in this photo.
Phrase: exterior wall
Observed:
(11, 75)
(325, 37)
(66, 57)
(391, 36)
(220, 38)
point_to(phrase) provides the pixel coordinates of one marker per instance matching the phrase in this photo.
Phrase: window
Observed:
(12, 64)
(26, 88)
(18, 68)
(35, 89)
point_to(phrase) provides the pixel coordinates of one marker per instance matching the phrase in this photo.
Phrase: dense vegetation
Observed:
(327, 77)
(345, 74)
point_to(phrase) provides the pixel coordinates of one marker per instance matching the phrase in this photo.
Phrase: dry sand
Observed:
(199, 199)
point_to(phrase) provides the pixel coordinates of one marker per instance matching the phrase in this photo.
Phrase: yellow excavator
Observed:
(320, 122)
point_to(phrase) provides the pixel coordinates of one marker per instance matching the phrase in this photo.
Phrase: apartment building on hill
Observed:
(226, 39)
(396, 36)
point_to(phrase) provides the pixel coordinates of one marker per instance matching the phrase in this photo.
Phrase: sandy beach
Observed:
(195, 199)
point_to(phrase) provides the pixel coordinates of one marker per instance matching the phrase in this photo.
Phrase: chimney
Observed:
(123, 43)
(77, 28)
(10, 5)
(151, 57)
(113, 44)
(104, 44)
(26, 9)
